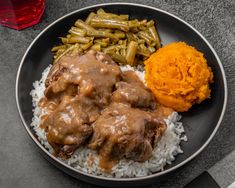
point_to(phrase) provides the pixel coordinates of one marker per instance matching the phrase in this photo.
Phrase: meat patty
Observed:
(122, 131)
(67, 127)
(77, 88)
(93, 75)
(135, 94)
(60, 67)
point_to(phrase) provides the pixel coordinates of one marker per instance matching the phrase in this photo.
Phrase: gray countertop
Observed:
(20, 163)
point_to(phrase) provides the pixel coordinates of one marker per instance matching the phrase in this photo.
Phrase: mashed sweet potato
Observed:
(179, 76)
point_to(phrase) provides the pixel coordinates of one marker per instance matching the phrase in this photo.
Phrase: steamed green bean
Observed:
(126, 41)
(74, 31)
(109, 23)
(91, 15)
(117, 58)
(131, 52)
(104, 14)
(80, 24)
(76, 39)
(96, 47)
(154, 33)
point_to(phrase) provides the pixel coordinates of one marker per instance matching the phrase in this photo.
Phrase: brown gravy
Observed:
(90, 101)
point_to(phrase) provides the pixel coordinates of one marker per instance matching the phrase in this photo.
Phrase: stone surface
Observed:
(20, 163)
(224, 168)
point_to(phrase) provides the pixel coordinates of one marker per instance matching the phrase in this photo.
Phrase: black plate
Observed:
(201, 122)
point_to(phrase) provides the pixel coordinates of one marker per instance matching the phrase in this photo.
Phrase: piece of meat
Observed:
(92, 75)
(122, 131)
(67, 127)
(60, 67)
(162, 112)
(130, 77)
(78, 87)
(135, 94)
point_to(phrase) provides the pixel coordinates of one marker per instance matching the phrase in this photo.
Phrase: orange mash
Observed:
(179, 76)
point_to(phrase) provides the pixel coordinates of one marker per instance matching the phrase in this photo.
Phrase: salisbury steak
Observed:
(89, 100)
(122, 131)
(77, 89)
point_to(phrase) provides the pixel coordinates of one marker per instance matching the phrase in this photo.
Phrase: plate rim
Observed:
(154, 175)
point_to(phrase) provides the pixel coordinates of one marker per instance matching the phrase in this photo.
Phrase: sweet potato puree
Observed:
(179, 76)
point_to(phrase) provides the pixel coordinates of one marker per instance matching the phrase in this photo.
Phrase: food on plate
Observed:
(127, 41)
(125, 132)
(100, 109)
(86, 93)
(179, 76)
(77, 89)
(99, 117)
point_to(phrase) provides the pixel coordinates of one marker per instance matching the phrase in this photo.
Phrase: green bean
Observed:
(109, 23)
(101, 12)
(131, 37)
(122, 42)
(96, 47)
(123, 52)
(86, 46)
(143, 51)
(115, 47)
(156, 38)
(76, 39)
(90, 16)
(150, 23)
(74, 31)
(143, 22)
(65, 52)
(123, 17)
(141, 41)
(56, 48)
(131, 52)
(64, 40)
(134, 30)
(102, 34)
(117, 58)
(76, 50)
(119, 34)
(146, 36)
(68, 45)
(60, 51)
(153, 44)
(133, 23)
(143, 28)
(104, 14)
(107, 40)
(79, 23)
(151, 49)
(110, 49)
(102, 42)
(120, 46)
(106, 30)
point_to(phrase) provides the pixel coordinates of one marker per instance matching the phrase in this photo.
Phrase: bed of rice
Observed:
(87, 160)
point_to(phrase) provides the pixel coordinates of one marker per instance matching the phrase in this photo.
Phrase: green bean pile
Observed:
(126, 41)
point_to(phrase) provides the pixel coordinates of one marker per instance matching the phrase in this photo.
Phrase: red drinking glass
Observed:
(19, 14)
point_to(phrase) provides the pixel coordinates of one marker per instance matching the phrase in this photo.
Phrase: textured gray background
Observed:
(20, 163)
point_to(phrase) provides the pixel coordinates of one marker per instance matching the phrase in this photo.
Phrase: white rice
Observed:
(87, 160)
